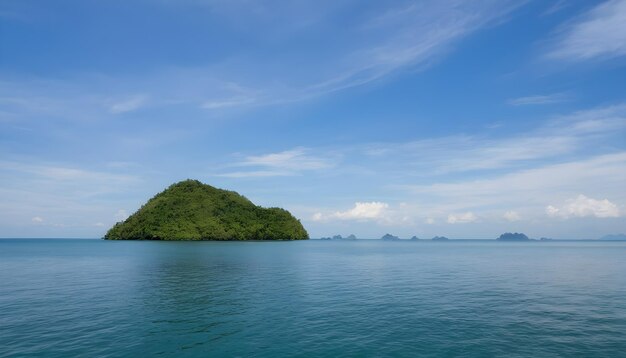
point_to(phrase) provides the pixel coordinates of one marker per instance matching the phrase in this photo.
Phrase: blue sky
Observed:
(456, 118)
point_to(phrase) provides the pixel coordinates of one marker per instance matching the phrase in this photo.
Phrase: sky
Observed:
(458, 118)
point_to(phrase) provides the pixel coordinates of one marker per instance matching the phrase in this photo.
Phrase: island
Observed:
(414, 238)
(546, 239)
(339, 237)
(613, 237)
(515, 236)
(440, 238)
(389, 237)
(191, 210)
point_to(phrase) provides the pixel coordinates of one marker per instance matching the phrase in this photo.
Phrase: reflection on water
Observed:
(67, 297)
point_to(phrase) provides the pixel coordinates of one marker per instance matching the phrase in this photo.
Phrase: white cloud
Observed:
(368, 210)
(531, 188)
(462, 218)
(37, 219)
(551, 210)
(512, 216)
(429, 221)
(128, 105)
(583, 206)
(600, 33)
(537, 99)
(361, 211)
(99, 224)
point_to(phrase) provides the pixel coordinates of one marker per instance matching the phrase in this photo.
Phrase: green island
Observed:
(191, 210)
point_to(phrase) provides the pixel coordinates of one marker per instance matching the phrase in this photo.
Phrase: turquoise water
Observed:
(64, 298)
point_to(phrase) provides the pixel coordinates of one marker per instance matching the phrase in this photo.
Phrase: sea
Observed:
(363, 298)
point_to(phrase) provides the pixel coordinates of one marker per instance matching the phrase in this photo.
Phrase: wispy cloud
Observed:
(599, 33)
(66, 174)
(607, 120)
(256, 174)
(531, 187)
(538, 99)
(555, 7)
(62, 196)
(403, 38)
(227, 102)
(296, 159)
(285, 163)
(417, 35)
(129, 104)
(557, 137)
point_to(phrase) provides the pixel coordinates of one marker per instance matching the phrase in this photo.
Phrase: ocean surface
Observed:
(95, 298)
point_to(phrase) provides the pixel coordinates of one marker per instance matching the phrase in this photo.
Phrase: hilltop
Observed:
(191, 210)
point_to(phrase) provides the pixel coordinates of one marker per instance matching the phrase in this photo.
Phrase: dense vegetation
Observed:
(190, 210)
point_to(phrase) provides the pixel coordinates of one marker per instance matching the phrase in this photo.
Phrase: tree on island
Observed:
(191, 210)
(440, 238)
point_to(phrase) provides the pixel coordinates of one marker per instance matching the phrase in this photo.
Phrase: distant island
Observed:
(414, 238)
(440, 238)
(389, 237)
(546, 239)
(515, 236)
(339, 237)
(191, 210)
(614, 237)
